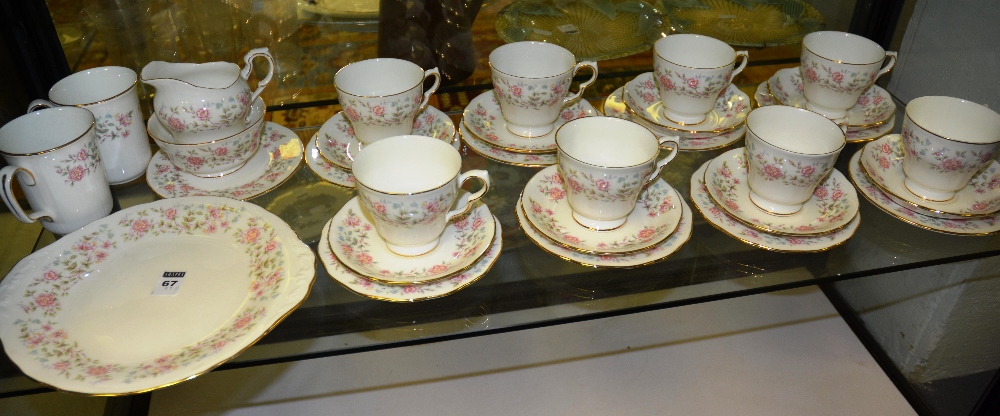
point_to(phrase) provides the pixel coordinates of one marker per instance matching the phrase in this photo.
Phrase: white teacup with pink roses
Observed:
(690, 72)
(837, 67)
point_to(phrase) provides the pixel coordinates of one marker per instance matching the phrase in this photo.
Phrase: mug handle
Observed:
(245, 73)
(583, 85)
(675, 144)
(7, 175)
(746, 59)
(40, 104)
(430, 91)
(888, 67)
(467, 199)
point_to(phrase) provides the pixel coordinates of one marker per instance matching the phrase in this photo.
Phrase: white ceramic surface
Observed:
(614, 106)
(981, 225)
(338, 144)
(874, 105)
(654, 218)
(502, 156)
(324, 169)
(602, 185)
(216, 158)
(279, 156)
(483, 118)
(717, 217)
(837, 67)
(531, 81)
(790, 150)
(883, 164)
(362, 251)
(406, 293)
(199, 103)
(947, 141)
(54, 156)
(731, 107)
(408, 184)
(79, 314)
(641, 258)
(381, 97)
(108, 92)
(832, 206)
(855, 134)
(691, 71)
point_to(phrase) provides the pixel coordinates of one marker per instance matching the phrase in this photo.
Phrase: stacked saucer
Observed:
(639, 101)
(658, 226)
(330, 153)
(485, 131)
(829, 218)
(877, 170)
(873, 116)
(232, 166)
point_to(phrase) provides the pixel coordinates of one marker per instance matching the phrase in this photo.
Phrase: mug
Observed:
(602, 184)
(789, 152)
(53, 153)
(691, 71)
(109, 92)
(531, 81)
(837, 68)
(408, 184)
(946, 141)
(382, 96)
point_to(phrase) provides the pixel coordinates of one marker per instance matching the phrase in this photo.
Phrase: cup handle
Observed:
(467, 199)
(7, 176)
(888, 67)
(842, 123)
(430, 91)
(583, 85)
(40, 104)
(245, 73)
(675, 144)
(746, 59)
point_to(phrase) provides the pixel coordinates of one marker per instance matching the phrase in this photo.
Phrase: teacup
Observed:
(382, 96)
(789, 152)
(605, 163)
(54, 155)
(837, 68)
(531, 81)
(408, 185)
(108, 92)
(215, 158)
(691, 71)
(946, 141)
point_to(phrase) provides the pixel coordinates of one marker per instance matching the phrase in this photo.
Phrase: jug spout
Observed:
(214, 75)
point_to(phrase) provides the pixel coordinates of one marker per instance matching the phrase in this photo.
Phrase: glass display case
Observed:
(534, 281)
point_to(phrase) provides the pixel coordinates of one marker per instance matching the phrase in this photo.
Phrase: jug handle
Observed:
(245, 73)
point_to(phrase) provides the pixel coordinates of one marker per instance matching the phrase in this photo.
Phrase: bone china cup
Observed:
(382, 96)
(604, 164)
(691, 71)
(837, 68)
(789, 151)
(946, 141)
(54, 155)
(408, 185)
(531, 81)
(108, 92)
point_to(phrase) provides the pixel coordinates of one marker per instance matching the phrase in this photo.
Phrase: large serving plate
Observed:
(80, 314)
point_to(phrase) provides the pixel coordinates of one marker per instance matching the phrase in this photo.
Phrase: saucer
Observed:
(650, 255)
(690, 140)
(782, 243)
(882, 161)
(279, 156)
(833, 205)
(360, 248)
(326, 170)
(731, 108)
(982, 225)
(531, 160)
(547, 207)
(338, 145)
(855, 134)
(874, 106)
(483, 118)
(405, 293)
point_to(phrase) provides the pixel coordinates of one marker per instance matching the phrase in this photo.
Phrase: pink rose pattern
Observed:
(529, 95)
(211, 116)
(77, 166)
(789, 172)
(409, 214)
(840, 81)
(604, 188)
(877, 105)
(55, 347)
(729, 105)
(943, 159)
(486, 122)
(113, 126)
(386, 112)
(334, 148)
(222, 156)
(694, 86)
